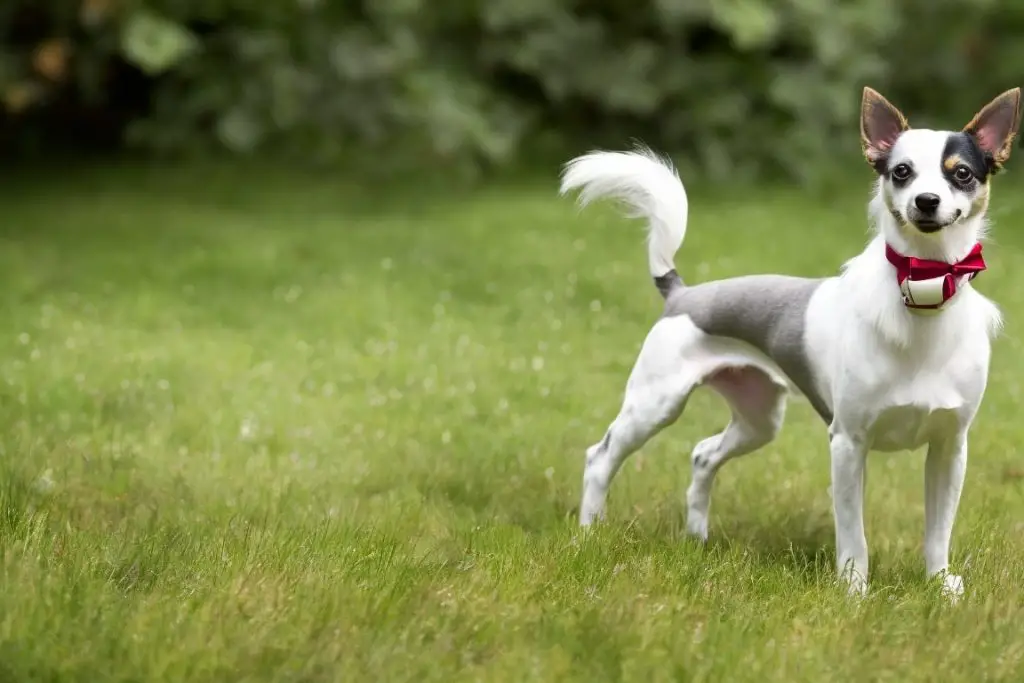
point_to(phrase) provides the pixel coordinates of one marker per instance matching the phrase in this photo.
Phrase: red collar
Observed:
(929, 284)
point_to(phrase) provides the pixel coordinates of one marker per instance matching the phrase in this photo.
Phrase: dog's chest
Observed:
(910, 404)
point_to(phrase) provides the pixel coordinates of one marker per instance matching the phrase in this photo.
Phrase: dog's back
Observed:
(765, 311)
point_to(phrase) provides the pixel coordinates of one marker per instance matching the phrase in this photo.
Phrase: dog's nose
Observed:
(927, 202)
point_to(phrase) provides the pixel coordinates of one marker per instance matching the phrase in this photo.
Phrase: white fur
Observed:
(649, 187)
(895, 380)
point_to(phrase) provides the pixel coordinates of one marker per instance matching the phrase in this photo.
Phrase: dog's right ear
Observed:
(880, 124)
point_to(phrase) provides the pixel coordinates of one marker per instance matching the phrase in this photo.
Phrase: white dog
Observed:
(893, 353)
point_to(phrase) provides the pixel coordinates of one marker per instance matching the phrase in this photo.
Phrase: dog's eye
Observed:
(962, 174)
(901, 172)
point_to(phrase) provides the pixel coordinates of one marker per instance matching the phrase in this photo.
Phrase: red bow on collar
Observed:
(917, 269)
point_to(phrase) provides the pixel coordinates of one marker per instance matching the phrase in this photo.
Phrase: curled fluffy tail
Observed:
(649, 187)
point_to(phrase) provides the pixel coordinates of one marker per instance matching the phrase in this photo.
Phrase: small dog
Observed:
(892, 353)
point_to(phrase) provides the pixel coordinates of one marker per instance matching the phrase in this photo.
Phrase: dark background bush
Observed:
(738, 87)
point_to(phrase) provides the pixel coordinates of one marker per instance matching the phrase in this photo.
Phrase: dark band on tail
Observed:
(668, 282)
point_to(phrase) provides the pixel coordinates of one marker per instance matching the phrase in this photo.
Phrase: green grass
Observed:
(266, 427)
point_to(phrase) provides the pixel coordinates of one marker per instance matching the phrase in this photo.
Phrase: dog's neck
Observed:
(874, 293)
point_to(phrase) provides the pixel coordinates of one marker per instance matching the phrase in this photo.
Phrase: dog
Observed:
(892, 353)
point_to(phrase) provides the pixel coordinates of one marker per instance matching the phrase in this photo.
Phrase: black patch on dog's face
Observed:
(962, 150)
(900, 174)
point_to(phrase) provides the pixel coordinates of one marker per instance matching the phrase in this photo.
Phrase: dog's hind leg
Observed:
(758, 407)
(656, 392)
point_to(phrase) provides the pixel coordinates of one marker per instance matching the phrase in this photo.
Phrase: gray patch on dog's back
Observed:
(765, 311)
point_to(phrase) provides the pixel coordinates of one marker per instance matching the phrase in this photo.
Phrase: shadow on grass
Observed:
(800, 546)
(806, 545)
(801, 543)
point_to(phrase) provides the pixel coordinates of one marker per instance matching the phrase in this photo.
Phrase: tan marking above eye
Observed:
(951, 162)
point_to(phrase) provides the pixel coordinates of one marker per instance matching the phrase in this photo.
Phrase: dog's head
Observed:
(935, 184)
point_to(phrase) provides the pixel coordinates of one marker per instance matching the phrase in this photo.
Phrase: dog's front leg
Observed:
(945, 468)
(849, 454)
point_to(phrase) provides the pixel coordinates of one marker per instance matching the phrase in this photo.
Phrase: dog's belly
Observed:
(908, 427)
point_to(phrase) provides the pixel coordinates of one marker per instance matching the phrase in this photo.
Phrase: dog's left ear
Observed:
(880, 124)
(996, 125)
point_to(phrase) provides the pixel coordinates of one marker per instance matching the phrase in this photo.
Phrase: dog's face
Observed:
(931, 180)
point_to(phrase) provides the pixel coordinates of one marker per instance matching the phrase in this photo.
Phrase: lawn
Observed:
(261, 426)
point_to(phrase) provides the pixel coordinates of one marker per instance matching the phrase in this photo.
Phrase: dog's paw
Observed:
(589, 519)
(857, 587)
(697, 525)
(952, 587)
(592, 512)
(856, 583)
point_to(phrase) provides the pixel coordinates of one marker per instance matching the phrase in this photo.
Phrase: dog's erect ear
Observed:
(995, 126)
(880, 125)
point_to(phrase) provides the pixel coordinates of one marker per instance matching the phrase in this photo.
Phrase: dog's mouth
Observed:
(930, 225)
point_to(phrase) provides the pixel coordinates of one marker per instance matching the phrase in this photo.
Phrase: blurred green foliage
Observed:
(738, 87)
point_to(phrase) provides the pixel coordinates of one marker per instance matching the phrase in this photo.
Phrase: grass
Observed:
(258, 426)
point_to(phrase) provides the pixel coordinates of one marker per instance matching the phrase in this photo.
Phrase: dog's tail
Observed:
(649, 187)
